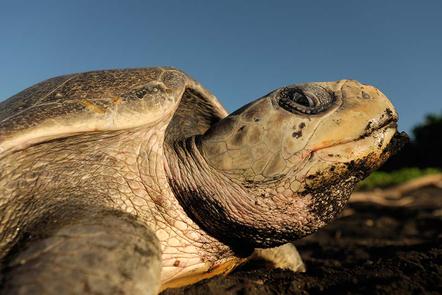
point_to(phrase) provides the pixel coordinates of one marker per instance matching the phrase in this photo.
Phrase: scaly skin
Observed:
(120, 173)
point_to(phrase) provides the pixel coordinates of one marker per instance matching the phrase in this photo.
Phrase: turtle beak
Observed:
(397, 142)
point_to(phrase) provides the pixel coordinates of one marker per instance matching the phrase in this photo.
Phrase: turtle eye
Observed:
(300, 98)
(296, 100)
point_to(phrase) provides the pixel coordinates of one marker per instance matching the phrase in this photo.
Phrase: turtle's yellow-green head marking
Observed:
(293, 157)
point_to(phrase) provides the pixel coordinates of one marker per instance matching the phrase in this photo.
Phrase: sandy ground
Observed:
(382, 244)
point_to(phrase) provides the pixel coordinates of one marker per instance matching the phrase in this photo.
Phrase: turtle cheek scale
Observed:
(257, 141)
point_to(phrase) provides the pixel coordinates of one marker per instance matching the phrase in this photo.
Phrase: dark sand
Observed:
(370, 249)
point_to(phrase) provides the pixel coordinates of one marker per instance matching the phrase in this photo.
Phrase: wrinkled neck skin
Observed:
(243, 217)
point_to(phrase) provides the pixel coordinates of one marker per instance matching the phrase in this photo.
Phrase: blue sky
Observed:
(239, 50)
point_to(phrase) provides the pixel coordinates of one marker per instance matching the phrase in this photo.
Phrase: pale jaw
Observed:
(332, 172)
(367, 150)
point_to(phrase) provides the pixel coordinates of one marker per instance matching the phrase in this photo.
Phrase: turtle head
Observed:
(293, 157)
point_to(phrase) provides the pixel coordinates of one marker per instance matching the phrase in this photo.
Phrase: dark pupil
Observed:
(295, 101)
(301, 99)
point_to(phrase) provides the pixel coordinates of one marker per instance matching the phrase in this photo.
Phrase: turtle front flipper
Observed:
(99, 252)
(284, 257)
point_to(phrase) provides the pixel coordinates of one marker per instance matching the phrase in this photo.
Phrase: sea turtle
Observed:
(131, 181)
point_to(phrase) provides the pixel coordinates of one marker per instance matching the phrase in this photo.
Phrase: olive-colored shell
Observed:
(99, 101)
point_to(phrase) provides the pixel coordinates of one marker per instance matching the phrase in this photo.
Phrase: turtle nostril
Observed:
(365, 95)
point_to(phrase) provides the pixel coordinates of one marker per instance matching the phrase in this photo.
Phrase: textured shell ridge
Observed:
(107, 100)
(85, 102)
